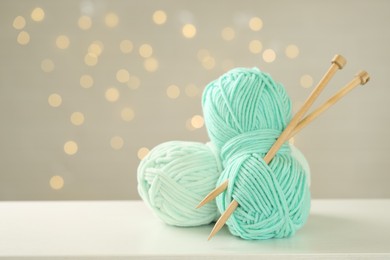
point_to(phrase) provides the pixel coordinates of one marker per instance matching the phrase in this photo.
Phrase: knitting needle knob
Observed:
(364, 77)
(339, 60)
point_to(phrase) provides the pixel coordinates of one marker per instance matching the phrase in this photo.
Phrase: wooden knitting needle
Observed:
(338, 62)
(361, 78)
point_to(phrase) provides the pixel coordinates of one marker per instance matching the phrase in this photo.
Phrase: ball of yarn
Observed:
(175, 176)
(245, 112)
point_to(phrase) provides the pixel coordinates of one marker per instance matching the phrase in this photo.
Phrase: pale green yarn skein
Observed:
(245, 112)
(174, 177)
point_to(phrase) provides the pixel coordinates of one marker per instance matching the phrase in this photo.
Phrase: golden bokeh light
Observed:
(91, 59)
(70, 147)
(111, 20)
(145, 50)
(292, 51)
(269, 55)
(77, 118)
(56, 182)
(23, 38)
(112, 94)
(208, 63)
(122, 76)
(85, 22)
(306, 81)
(19, 22)
(188, 31)
(96, 48)
(151, 64)
(255, 24)
(228, 34)
(47, 65)
(62, 42)
(202, 54)
(126, 46)
(173, 91)
(192, 90)
(255, 46)
(100, 44)
(127, 114)
(134, 82)
(86, 81)
(189, 126)
(54, 100)
(197, 121)
(116, 142)
(37, 14)
(142, 152)
(159, 17)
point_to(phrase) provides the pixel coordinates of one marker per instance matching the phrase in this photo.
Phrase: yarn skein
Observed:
(175, 176)
(245, 112)
(172, 193)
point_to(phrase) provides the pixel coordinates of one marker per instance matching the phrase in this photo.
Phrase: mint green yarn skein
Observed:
(174, 177)
(245, 112)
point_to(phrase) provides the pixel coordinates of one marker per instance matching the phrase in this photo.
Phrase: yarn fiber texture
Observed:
(175, 176)
(245, 112)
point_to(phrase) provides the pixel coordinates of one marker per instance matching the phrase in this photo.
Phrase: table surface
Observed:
(347, 229)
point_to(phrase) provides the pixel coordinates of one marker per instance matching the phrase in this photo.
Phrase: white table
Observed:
(342, 229)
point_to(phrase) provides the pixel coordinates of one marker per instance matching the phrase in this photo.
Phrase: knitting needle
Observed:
(213, 194)
(338, 62)
(361, 78)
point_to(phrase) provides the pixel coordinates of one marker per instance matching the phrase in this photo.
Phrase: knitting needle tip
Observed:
(213, 194)
(224, 217)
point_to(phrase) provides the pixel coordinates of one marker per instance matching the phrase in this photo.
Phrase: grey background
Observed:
(347, 148)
